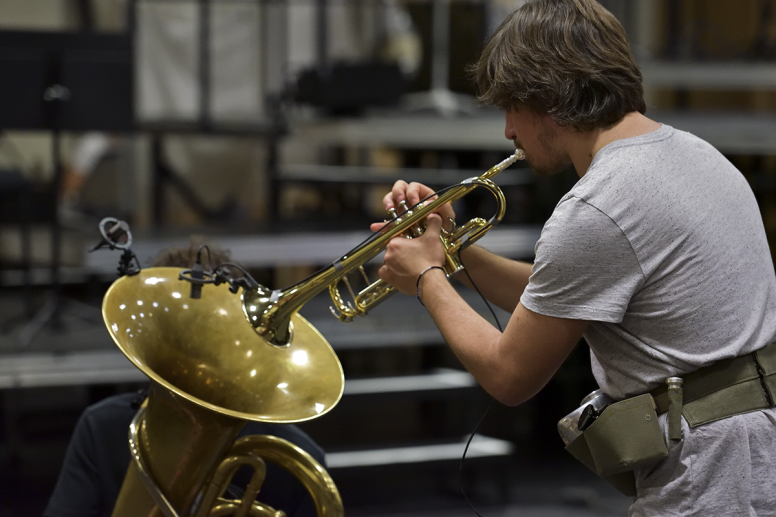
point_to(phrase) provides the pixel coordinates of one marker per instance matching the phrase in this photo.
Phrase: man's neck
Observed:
(583, 147)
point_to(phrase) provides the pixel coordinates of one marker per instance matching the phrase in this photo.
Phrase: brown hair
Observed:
(184, 257)
(567, 58)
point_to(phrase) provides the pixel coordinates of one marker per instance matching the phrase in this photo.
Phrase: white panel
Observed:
(236, 60)
(167, 66)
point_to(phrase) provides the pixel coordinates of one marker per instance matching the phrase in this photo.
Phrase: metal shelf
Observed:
(301, 248)
(710, 75)
(380, 175)
(730, 132)
(480, 447)
(436, 380)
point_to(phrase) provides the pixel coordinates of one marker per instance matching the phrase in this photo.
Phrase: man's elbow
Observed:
(512, 393)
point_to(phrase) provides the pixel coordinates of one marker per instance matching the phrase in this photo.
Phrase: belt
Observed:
(723, 389)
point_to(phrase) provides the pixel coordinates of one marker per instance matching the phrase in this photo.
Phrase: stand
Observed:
(57, 82)
(440, 99)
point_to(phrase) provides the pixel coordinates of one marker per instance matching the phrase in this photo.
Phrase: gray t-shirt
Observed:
(661, 246)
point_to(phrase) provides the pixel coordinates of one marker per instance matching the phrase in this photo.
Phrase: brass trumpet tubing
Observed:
(270, 312)
(378, 291)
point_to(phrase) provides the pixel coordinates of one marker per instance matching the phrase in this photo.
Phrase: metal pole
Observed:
(440, 44)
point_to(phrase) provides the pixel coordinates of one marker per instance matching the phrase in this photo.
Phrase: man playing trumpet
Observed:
(657, 257)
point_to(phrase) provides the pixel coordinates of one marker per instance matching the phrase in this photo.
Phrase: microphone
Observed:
(115, 234)
(197, 273)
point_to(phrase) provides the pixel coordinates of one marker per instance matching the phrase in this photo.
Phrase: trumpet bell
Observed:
(204, 351)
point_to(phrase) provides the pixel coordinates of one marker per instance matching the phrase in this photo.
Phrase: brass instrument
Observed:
(271, 312)
(210, 373)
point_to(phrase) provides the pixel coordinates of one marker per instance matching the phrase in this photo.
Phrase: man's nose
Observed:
(509, 132)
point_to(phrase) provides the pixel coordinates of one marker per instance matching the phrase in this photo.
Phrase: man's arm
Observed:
(512, 366)
(500, 280)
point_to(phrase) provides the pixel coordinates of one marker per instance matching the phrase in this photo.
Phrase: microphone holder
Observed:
(218, 276)
(116, 235)
(126, 268)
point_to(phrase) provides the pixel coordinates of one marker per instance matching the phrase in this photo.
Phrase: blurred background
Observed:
(272, 129)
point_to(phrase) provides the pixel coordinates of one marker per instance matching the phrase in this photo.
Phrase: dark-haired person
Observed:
(657, 257)
(98, 454)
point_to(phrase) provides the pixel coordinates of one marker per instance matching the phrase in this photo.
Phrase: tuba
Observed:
(211, 373)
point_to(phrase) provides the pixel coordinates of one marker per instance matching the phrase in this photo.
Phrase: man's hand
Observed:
(412, 194)
(406, 258)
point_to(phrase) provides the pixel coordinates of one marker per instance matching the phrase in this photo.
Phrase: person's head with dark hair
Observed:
(185, 257)
(569, 59)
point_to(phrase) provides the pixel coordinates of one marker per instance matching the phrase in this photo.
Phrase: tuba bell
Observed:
(210, 374)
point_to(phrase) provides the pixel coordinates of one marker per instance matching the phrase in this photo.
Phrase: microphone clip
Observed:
(198, 277)
(116, 235)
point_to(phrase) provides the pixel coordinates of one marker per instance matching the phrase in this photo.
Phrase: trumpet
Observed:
(270, 312)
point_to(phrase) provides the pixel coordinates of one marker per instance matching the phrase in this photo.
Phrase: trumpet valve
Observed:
(448, 233)
(415, 230)
(392, 213)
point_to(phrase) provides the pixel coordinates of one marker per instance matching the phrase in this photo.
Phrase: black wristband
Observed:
(417, 284)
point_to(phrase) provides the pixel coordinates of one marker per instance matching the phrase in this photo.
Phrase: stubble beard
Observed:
(549, 168)
(553, 159)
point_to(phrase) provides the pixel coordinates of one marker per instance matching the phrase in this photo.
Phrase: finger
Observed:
(433, 224)
(417, 192)
(388, 201)
(376, 227)
(397, 195)
(447, 212)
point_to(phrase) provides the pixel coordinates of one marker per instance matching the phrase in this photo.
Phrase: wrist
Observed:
(420, 277)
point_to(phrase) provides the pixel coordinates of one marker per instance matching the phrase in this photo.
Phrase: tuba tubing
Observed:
(270, 311)
(181, 450)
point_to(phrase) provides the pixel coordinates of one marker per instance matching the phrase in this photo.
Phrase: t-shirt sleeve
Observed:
(585, 267)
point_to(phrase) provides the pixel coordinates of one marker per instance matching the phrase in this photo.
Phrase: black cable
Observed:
(246, 275)
(490, 404)
(487, 304)
(463, 457)
(209, 259)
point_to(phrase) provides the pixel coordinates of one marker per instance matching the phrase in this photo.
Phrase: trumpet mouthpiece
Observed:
(519, 154)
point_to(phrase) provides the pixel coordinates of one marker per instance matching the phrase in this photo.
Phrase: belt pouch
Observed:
(625, 482)
(766, 361)
(626, 436)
